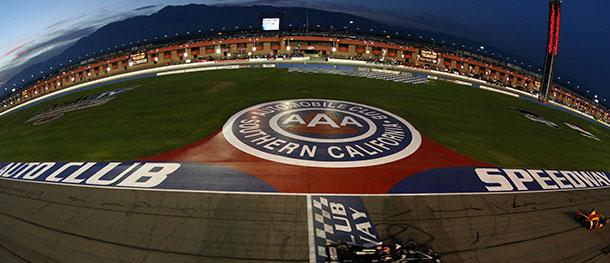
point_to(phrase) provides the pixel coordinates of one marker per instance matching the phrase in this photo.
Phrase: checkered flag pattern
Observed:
(322, 225)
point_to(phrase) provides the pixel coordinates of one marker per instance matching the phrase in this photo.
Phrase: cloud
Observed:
(61, 38)
(145, 7)
(15, 49)
(64, 21)
(24, 53)
(60, 35)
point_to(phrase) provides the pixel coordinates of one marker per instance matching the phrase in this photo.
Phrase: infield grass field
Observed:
(168, 112)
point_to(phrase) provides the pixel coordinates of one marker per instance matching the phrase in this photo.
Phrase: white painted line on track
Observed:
(304, 194)
(499, 91)
(310, 235)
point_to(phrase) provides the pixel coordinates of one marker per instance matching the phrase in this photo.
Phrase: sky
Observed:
(33, 30)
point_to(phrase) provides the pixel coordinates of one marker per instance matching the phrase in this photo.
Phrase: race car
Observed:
(592, 219)
(410, 251)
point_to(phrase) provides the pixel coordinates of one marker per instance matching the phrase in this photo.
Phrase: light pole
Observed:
(551, 49)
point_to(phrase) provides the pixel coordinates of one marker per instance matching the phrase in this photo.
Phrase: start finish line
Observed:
(199, 177)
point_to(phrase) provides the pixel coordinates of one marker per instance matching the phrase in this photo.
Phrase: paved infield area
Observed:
(46, 223)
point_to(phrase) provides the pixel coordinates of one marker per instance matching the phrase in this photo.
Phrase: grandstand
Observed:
(262, 48)
(396, 76)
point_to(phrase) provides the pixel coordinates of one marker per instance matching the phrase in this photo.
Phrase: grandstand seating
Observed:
(403, 77)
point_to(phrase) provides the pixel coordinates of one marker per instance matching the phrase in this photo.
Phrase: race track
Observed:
(41, 222)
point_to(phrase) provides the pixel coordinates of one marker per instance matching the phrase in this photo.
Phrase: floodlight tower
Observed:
(551, 49)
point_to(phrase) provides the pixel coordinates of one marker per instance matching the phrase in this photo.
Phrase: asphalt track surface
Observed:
(54, 223)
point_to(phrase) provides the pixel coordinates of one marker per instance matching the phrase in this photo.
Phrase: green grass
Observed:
(172, 111)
